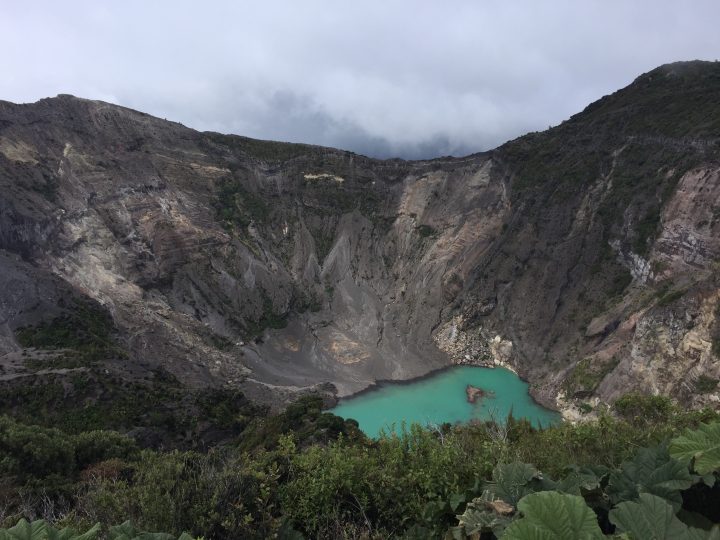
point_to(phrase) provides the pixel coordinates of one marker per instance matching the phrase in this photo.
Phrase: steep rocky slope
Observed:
(585, 256)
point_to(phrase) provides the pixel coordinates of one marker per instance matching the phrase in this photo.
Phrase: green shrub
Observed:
(237, 206)
(95, 446)
(310, 471)
(425, 231)
(643, 408)
(390, 482)
(585, 408)
(705, 384)
(223, 495)
(34, 452)
(85, 335)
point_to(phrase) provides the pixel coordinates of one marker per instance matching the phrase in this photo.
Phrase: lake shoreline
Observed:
(382, 383)
(439, 401)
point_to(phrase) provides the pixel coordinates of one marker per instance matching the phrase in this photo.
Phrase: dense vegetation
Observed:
(83, 335)
(309, 473)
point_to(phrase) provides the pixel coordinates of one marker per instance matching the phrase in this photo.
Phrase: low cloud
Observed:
(410, 79)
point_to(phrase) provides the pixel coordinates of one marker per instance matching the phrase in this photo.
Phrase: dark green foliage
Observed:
(619, 283)
(481, 516)
(165, 410)
(716, 346)
(305, 420)
(425, 231)
(95, 446)
(41, 530)
(222, 495)
(49, 187)
(405, 479)
(219, 342)
(585, 408)
(225, 408)
(675, 100)
(705, 384)
(307, 302)
(326, 198)
(32, 452)
(512, 481)
(300, 478)
(606, 442)
(93, 400)
(324, 239)
(652, 517)
(127, 531)
(670, 297)
(265, 150)
(85, 334)
(652, 471)
(554, 515)
(644, 409)
(269, 318)
(237, 206)
(700, 447)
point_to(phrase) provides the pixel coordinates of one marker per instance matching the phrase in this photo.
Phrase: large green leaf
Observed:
(69, 534)
(475, 522)
(37, 530)
(653, 471)
(653, 518)
(126, 531)
(482, 515)
(550, 515)
(41, 530)
(575, 481)
(701, 445)
(511, 482)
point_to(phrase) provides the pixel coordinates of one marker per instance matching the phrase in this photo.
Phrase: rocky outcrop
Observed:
(475, 394)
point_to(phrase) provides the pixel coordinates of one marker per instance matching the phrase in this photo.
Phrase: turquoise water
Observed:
(442, 398)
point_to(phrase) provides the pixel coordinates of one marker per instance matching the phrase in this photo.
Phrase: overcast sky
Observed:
(408, 78)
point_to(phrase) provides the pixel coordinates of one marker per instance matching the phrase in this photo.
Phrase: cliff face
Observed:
(585, 257)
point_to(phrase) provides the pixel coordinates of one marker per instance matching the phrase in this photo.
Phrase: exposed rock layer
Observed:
(584, 257)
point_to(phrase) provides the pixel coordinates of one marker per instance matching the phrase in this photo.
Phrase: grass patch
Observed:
(670, 297)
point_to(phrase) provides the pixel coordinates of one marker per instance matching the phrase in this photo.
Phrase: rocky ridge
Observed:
(584, 257)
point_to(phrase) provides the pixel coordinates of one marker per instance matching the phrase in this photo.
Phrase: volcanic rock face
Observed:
(585, 257)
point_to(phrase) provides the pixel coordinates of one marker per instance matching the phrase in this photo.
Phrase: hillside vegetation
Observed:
(500, 480)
